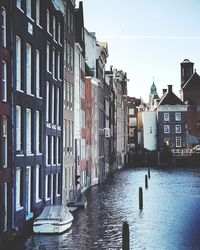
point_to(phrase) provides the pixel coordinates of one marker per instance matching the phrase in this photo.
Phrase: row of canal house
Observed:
(63, 116)
(171, 120)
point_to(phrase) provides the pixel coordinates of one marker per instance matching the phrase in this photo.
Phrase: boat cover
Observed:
(54, 212)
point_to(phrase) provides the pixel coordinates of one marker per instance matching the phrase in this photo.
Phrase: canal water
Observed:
(169, 220)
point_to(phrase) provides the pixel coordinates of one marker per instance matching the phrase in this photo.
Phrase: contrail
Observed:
(150, 37)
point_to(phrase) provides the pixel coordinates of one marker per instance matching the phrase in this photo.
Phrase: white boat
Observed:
(53, 219)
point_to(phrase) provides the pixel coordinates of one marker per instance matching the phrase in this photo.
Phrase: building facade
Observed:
(6, 167)
(68, 104)
(190, 92)
(81, 170)
(171, 121)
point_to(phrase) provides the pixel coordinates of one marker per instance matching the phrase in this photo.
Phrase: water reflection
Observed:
(170, 218)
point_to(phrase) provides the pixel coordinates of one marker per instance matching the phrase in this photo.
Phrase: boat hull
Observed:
(51, 228)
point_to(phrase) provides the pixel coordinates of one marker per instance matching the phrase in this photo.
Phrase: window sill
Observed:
(29, 154)
(20, 90)
(47, 199)
(19, 155)
(39, 25)
(38, 200)
(29, 216)
(38, 154)
(18, 208)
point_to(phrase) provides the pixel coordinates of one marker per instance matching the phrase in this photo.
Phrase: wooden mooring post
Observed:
(140, 198)
(125, 236)
(146, 181)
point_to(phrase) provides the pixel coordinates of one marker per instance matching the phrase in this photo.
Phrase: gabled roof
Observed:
(169, 98)
(193, 81)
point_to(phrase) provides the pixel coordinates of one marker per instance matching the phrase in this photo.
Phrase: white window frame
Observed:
(18, 128)
(52, 104)
(4, 81)
(166, 116)
(38, 132)
(58, 107)
(29, 8)
(53, 62)
(58, 65)
(131, 111)
(18, 64)
(28, 131)
(178, 129)
(18, 189)
(48, 57)
(19, 4)
(54, 28)
(47, 101)
(178, 142)
(28, 70)
(59, 33)
(4, 28)
(5, 194)
(37, 183)
(37, 12)
(37, 79)
(5, 142)
(48, 22)
(166, 129)
(47, 188)
(178, 116)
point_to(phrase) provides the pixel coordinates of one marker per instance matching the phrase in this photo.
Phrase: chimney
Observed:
(164, 91)
(169, 88)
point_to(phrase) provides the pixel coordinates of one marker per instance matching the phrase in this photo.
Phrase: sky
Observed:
(147, 39)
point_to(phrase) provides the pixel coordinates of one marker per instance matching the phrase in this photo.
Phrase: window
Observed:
(178, 128)
(166, 129)
(48, 150)
(64, 136)
(167, 141)
(53, 105)
(48, 58)
(38, 183)
(178, 142)
(198, 108)
(178, 116)
(38, 132)
(28, 70)
(53, 150)
(19, 4)
(5, 142)
(58, 107)
(166, 116)
(47, 102)
(53, 62)
(5, 202)
(18, 128)
(48, 22)
(71, 137)
(131, 111)
(132, 121)
(19, 189)
(48, 187)
(131, 132)
(68, 56)
(38, 80)
(71, 59)
(3, 27)
(72, 22)
(68, 20)
(67, 137)
(28, 131)
(59, 33)
(4, 81)
(58, 65)
(54, 28)
(29, 8)
(18, 64)
(58, 151)
(37, 10)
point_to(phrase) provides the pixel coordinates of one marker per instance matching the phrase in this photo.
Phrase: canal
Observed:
(169, 220)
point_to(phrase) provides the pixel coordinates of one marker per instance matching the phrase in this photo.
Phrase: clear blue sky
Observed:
(147, 38)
